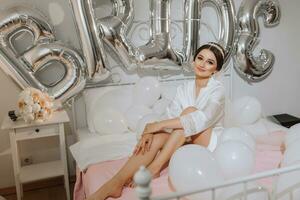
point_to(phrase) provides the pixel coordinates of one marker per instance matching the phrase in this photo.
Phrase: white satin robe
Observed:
(210, 104)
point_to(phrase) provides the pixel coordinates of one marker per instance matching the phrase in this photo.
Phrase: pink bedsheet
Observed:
(268, 156)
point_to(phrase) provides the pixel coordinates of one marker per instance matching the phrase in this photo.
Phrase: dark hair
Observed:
(217, 49)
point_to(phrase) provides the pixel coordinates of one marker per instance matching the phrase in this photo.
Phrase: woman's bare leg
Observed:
(113, 188)
(175, 141)
(202, 138)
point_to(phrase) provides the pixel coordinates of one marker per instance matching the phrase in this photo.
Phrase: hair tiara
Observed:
(217, 47)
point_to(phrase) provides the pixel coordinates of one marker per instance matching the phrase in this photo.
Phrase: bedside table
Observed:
(19, 130)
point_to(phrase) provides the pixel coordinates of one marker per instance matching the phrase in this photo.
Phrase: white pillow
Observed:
(98, 148)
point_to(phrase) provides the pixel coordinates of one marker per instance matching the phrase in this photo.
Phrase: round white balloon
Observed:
(194, 167)
(246, 110)
(109, 121)
(152, 117)
(293, 134)
(238, 134)
(118, 99)
(146, 91)
(134, 114)
(161, 105)
(235, 159)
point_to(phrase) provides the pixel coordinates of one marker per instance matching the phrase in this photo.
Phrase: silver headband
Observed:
(217, 47)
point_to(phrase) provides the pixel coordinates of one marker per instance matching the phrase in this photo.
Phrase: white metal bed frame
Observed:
(142, 178)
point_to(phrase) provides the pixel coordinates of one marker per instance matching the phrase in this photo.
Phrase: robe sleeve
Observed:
(198, 121)
(174, 109)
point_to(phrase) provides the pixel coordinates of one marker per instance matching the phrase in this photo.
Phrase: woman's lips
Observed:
(201, 69)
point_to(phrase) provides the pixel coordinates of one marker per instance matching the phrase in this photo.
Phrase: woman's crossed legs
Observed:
(160, 152)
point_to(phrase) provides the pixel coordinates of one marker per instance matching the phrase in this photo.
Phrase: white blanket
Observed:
(98, 148)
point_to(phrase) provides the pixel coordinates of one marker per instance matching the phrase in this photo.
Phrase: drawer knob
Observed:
(37, 130)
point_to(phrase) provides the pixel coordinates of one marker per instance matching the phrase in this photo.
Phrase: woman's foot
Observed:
(154, 171)
(112, 188)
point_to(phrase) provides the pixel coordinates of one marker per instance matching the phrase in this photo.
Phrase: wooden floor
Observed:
(50, 193)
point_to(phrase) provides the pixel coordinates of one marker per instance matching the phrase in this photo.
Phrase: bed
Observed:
(99, 156)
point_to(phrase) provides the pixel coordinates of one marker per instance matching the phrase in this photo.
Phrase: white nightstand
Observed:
(20, 130)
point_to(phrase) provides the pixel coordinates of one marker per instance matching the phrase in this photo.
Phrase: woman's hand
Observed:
(152, 127)
(144, 144)
(147, 136)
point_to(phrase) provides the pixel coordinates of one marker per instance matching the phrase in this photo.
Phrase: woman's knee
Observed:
(202, 138)
(159, 140)
(178, 135)
(188, 110)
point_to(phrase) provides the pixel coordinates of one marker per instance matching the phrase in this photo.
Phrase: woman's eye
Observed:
(199, 58)
(210, 62)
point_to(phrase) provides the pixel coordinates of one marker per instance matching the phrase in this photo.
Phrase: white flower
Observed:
(28, 117)
(27, 109)
(28, 100)
(34, 104)
(36, 107)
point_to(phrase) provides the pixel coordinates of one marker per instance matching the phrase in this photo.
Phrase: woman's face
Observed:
(205, 63)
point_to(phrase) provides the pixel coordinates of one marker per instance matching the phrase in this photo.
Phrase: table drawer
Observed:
(36, 132)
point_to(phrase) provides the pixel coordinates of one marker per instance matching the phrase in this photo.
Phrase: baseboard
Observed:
(37, 185)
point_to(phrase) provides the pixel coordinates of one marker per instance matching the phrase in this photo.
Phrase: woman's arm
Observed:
(200, 120)
(163, 125)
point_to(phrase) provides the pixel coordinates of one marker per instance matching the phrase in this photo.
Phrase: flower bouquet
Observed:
(34, 105)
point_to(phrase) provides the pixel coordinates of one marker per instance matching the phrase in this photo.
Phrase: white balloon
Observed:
(238, 134)
(194, 167)
(146, 91)
(285, 182)
(291, 154)
(161, 105)
(235, 159)
(109, 121)
(152, 117)
(293, 134)
(254, 192)
(118, 99)
(169, 91)
(246, 110)
(134, 114)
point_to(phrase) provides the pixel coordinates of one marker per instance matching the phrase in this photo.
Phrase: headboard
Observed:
(168, 90)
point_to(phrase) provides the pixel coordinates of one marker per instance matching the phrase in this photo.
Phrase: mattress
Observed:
(268, 156)
(84, 133)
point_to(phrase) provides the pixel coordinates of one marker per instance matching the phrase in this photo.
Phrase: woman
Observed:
(194, 117)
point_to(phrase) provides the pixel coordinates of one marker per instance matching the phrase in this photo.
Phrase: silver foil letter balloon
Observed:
(13, 22)
(226, 25)
(24, 67)
(73, 79)
(250, 67)
(113, 30)
(91, 43)
(159, 49)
